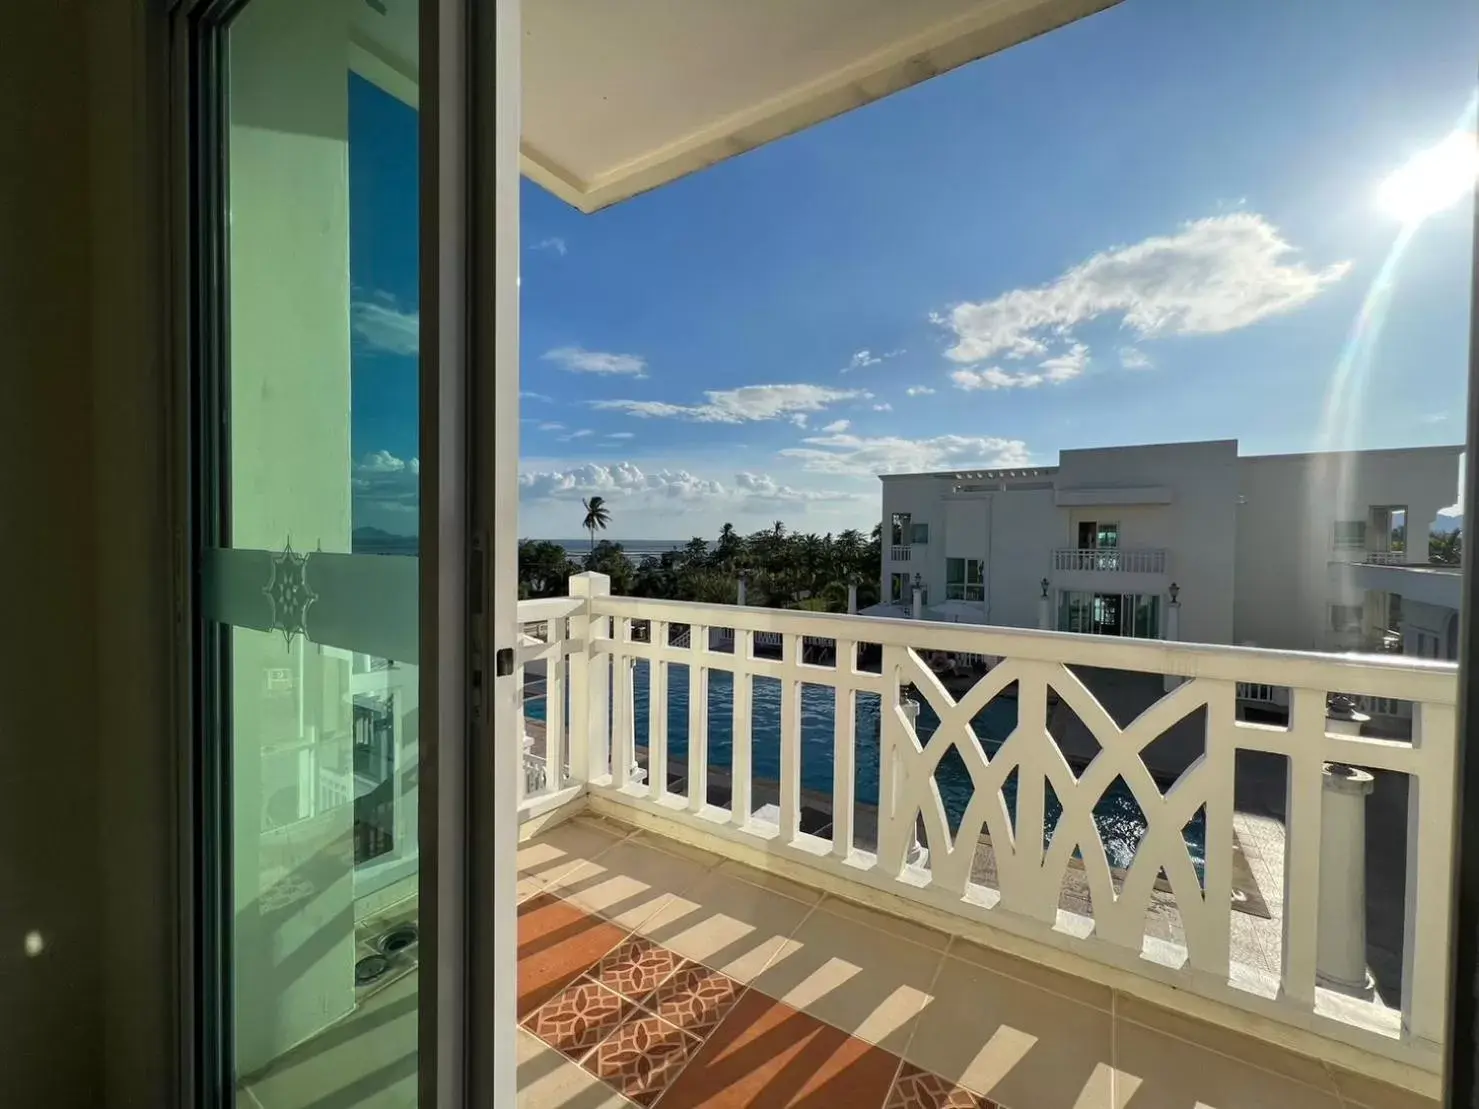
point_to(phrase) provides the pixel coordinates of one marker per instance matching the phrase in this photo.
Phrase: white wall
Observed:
(1286, 531)
(1197, 528)
(1436, 623)
(1024, 526)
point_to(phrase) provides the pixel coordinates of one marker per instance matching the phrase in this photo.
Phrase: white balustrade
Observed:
(1115, 560)
(542, 669)
(1029, 874)
(899, 553)
(1386, 558)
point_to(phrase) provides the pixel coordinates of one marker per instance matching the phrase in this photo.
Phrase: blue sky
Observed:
(1157, 224)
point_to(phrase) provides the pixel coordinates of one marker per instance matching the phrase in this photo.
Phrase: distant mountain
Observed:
(1449, 523)
(368, 540)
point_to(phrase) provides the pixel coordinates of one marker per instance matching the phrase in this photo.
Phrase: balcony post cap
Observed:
(589, 583)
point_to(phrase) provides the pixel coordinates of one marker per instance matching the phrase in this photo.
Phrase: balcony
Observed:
(1386, 558)
(899, 553)
(1112, 560)
(848, 908)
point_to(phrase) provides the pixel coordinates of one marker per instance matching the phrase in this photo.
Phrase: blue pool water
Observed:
(1119, 818)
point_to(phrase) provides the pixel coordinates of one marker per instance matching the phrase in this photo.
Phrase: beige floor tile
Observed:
(773, 882)
(629, 883)
(554, 856)
(729, 925)
(1014, 1043)
(1371, 1094)
(887, 922)
(1156, 1071)
(548, 1080)
(863, 979)
(1034, 974)
(368, 1059)
(706, 859)
(1226, 1041)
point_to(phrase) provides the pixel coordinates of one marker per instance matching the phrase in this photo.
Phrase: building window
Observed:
(1093, 535)
(1350, 533)
(899, 529)
(965, 579)
(1345, 618)
(898, 587)
(919, 534)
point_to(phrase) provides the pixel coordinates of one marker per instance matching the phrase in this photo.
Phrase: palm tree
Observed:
(597, 516)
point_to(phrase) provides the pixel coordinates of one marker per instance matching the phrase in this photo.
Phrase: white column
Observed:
(918, 609)
(1340, 959)
(740, 592)
(1044, 613)
(1173, 635)
(852, 599)
(290, 469)
(914, 854)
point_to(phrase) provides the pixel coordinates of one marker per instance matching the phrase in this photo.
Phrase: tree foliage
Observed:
(782, 568)
(1446, 548)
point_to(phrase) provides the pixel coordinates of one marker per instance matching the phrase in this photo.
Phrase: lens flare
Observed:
(1433, 180)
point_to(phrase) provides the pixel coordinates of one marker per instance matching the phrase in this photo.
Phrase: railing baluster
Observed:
(554, 708)
(743, 747)
(698, 717)
(1302, 846)
(844, 748)
(623, 751)
(1212, 953)
(657, 711)
(1430, 836)
(790, 770)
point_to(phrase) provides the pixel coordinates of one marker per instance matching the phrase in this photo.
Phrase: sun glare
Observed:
(1433, 180)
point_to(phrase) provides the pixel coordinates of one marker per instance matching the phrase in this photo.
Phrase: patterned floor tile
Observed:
(642, 1057)
(557, 944)
(578, 1017)
(918, 1089)
(694, 999)
(767, 1055)
(636, 968)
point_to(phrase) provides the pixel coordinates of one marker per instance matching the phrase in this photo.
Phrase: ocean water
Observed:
(1118, 816)
(635, 549)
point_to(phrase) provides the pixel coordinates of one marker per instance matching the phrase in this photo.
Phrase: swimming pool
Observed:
(1118, 815)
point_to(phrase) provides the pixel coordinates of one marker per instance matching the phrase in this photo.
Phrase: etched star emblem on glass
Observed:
(288, 592)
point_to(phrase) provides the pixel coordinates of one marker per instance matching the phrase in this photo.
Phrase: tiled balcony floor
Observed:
(652, 974)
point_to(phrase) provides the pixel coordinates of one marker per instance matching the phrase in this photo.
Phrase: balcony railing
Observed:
(1386, 558)
(1123, 560)
(899, 553)
(606, 711)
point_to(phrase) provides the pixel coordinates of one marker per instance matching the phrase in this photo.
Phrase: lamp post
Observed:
(1044, 608)
(918, 612)
(1173, 628)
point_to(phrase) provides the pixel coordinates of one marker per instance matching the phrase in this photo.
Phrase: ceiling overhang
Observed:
(622, 96)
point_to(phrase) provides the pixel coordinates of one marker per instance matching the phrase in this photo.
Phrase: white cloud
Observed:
(1213, 275)
(1055, 371)
(737, 406)
(1133, 358)
(385, 326)
(620, 435)
(883, 407)
(387, 484)
(551, 425)
(581, 434)
(673, 488)
(852, 454)
(919, 391)
(554, 243)
(534, 396)
(582, 361)
(1434, 417)
(864, 358)
(836, 427)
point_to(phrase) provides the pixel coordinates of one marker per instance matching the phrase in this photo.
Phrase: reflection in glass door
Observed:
(309, 576)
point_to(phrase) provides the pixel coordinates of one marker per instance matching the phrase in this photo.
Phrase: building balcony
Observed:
(847, 907)
(1386, 558)
(899, 553)
(1110, 560)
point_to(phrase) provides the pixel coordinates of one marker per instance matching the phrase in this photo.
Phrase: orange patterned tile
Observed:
(557, 944)
(642, 1057)
(694, 999)
(919, 1089)
(767, 1055)
(579, 1017)
(636, 968)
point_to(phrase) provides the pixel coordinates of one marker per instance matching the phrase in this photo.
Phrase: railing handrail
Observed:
(1402, 677)
(539, 610)
(1114, 560)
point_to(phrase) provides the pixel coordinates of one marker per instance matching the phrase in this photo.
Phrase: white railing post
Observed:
(790, 769)
(844, 748)
(741, 750)
(1430, 845)
(589, 681)
(1302, 847)
(1340, 955)
(914, 853)
(698, 717)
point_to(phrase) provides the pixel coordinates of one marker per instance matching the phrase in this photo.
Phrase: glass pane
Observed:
(314, 580)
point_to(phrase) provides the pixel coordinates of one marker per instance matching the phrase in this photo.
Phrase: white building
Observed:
(1107, 539)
